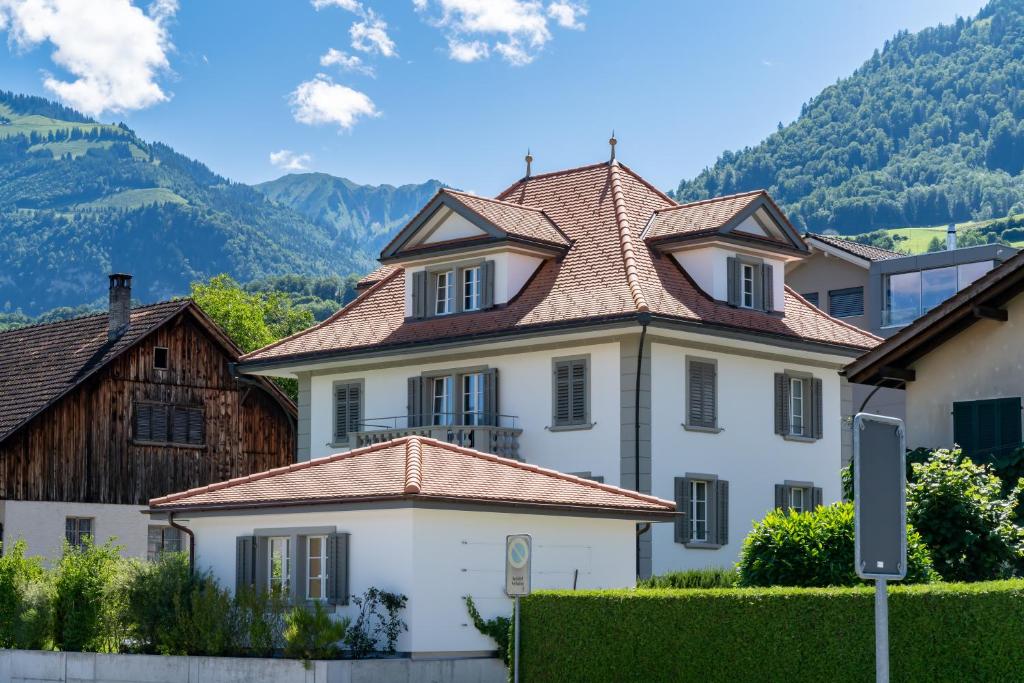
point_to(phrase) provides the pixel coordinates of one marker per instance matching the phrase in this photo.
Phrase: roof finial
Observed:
(612, 141)
(529, 161)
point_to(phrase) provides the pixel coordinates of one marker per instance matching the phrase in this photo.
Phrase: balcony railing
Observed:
(496, 434)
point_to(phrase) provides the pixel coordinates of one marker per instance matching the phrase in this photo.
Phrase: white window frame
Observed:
(444, 282)
(443, 400)
(797, 417)
(803, 493)
(697, 519)
(472, 398)
(284, 584)
(321, 576)
(747, 272)
(471, 291)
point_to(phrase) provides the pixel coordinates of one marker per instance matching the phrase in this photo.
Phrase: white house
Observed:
(415, 516)
(586, 322)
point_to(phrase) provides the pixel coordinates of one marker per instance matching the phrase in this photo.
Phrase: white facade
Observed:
(512, 269)
(437, 556)
(709, 268)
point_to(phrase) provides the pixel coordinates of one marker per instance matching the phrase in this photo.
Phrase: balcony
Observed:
(495, 434)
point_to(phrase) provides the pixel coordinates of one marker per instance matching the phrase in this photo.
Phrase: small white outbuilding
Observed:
(415, 516)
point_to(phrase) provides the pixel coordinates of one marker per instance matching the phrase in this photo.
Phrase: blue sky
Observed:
(232, 83)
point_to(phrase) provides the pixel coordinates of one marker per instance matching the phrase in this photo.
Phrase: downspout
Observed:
(191, 541)
(644, 319)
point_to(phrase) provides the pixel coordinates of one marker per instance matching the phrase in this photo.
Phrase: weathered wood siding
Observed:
(82, 449)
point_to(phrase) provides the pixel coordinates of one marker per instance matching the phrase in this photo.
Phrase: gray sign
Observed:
(880, 492)
(518, 551)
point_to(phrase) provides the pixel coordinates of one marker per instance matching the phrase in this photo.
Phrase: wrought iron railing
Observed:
(497, 434)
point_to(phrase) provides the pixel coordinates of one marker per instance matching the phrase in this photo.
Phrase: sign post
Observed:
(518, 558)
(880, 516)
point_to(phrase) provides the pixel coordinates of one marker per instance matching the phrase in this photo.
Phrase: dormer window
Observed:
(443, 304)
(751, 283)
(453, 288)
(747, 285)
(471, 288)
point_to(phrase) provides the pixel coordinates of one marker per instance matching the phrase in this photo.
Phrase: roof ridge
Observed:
(711, 200)
(78, 318)
(626, 241)
(413, 466)
(650, 186)
(549, 174)
(494, 200)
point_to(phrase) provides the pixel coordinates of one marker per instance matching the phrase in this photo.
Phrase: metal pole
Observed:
(515, 661)
(881, 632)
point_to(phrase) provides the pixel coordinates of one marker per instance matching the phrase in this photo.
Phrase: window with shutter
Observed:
(798, 406)
(798, 496)
(348, 409)
(162, 423)
(703, 500)
(844, 303)
(988, 428)
(701, 394)
(812, 298)
(571, 392)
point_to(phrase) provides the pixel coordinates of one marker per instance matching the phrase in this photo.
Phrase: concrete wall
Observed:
(23, 666)
(435, 557)
(984, 361)
(821, 273)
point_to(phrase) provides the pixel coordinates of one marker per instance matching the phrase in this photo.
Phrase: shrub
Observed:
(261, 621)
(709, 577)
(497, 628)
(89, 598)
(814, 549)
(365, 633)
(155, 593)
(312, 633)
(957, 507)
(205, 621)
(773, 634)
(24, 600)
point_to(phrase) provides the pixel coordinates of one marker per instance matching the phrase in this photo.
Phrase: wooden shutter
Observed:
(964, 426)
(733, 273)
(562, 394)
(682, 486)
(491, 410)
(419, 294)
(143, 421)
(816, 411)
(722, 512)
(767, 287)
(196, 419)
(160, 422)
(701, 399)
(578, 383)
(816, 497)
(487, 284)
(781, 499)
(781, 403)
(179, 424)
(1009, 425)
(337, 569)
(245, 563)
(414, 405)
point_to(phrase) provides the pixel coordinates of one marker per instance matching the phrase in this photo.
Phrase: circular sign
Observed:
(518, 553)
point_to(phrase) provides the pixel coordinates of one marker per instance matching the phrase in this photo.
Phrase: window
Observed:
(750, 283)
(701, 394)
(989, 428)
(471, 288)
(348, 409)
(796, 499)
(845, 303)
(907, 296)
(160, 361)
(473, 399)
(76, 529)
(969, 272)
(316, 567)
(703, 500)
(798, 496)
(812, 298)
(443, 286)
(747, 285)
(796, 406)
(279, 564)
(441, 401)
(571, 398)
(937, 285)
(170, 424)
(162, 539)
(454, 397)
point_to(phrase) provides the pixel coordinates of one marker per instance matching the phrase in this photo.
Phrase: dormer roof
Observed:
(492, 221)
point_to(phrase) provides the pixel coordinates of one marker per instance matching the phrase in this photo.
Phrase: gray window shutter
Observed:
(733, 271)
(758, 287)
(262, 559)
(431, 289)
(722, 521)
(414, 407)
(682, 485)
(701, 403)
(337, 569)
(347, 410)
(562, 394)
(816, 407)
(245, 563)
(487, 284)
(578, 382)
(781, 499)
(781, 403)
(419, 294)
(299, 569)
(816, 497)
(491, 410)
(767, 287)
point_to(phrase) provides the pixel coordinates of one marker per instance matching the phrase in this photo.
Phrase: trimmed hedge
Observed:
(938, 632)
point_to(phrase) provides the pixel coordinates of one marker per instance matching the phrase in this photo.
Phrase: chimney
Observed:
(951, 237)
(120, 304)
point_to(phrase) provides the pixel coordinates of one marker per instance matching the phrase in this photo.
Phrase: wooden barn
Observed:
(101, 413)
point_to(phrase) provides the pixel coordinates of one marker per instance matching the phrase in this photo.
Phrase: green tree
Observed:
(251, 319)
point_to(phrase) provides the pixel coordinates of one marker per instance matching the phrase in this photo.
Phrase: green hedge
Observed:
(939, 632)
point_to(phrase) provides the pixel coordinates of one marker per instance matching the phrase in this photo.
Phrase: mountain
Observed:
(367, 215)
(79, 199)
(928, 130)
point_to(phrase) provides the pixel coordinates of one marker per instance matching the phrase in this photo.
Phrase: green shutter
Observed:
(337, 569)
(1009, 426)
(988, 429)
(965, 426)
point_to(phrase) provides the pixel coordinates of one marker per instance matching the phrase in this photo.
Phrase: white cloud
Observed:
(114, 50)
(520, 28)
(371, 35)
(321, 100)
(350, 5)
(287, 160)
(467, 51)
(345, 61)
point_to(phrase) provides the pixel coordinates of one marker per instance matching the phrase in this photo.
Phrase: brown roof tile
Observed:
(415, 468)
(517, 220)
(705, 216)
(865, 251)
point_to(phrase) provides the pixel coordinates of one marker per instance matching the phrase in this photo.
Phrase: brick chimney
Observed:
(120, 304)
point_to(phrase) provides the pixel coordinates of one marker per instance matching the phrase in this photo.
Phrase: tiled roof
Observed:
(520, 221)
(376, 276)
(706, 216)
(864, 251)
(40, 363)
(594, 281)
(415, 468)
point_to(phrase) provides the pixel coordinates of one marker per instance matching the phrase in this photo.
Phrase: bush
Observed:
(497, 628)
(24, 600)
(156, 591)
(312, 633)
(957, 507)
(205, 621)
(710, 577)
(815, 549)
(364, 635)
(261, 621)
(89, 598)
(773, 634)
